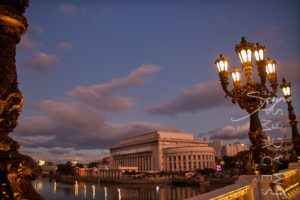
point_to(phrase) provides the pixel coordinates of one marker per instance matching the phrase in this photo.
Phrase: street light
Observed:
(295, 152)
(249, 94)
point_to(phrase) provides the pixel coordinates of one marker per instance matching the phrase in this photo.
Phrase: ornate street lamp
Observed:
(295, 152)
(16, 170)
(250, 93)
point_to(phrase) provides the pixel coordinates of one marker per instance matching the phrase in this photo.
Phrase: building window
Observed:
(183, 157)
(194, 157)
(206, 157)
(202, 157)
(189, 157)
(174, 158)
(199, 157)
(170, 158)
(179, 157)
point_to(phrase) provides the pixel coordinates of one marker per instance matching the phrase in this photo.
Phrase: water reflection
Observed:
(94, 191)
(119, 192)
(51, 189)
(76, 189)
(105, 193)
(54, 187)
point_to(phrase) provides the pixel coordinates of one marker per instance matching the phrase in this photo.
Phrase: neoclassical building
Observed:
(163, 151)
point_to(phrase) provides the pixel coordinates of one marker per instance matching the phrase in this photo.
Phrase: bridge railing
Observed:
(283, 185)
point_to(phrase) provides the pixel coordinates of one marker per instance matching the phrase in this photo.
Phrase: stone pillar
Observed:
(16, 170)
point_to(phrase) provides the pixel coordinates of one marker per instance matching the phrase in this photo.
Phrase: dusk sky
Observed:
(94, 72)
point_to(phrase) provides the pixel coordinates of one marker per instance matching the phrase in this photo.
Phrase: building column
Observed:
(139, 163)
(192, 162)
(181, 163)
(172, 163)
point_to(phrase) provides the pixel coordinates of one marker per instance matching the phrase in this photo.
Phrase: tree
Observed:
(93, 164)
(206, 171)
(230, 163)
(66, 169)
(79, 165)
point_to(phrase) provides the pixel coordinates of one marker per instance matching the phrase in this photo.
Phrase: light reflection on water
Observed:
(51, 189)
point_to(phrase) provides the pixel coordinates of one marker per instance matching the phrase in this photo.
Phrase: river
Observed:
(51, 189)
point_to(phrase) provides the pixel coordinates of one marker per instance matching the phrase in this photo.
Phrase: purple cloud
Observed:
(276, 126)
(36, 59)
(203, 96)
(72, 10)
(41, 61)
(64, 45)
(27, 45)
(229, 132)
(102, 96)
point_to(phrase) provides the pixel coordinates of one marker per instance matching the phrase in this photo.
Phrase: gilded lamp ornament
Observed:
(16, 170)
(248, 94)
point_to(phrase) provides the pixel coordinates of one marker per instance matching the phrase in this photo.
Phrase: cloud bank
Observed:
(203, 96)
(83, 118)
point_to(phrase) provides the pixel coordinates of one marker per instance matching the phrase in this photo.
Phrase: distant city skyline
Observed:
(94, 73)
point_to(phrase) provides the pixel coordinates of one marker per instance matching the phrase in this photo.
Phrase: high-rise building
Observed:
(233, 149)
(217, 146)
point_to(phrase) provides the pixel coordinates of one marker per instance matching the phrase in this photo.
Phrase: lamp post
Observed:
(16, 170)
(249, 95)
(295, 152)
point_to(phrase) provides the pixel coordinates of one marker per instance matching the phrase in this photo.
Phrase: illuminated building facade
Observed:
(163, 151)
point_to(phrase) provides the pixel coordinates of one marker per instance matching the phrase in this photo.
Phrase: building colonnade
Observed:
(189, 162)
(143, 162)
